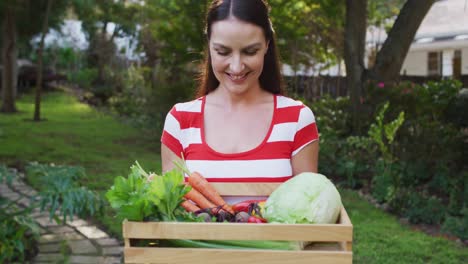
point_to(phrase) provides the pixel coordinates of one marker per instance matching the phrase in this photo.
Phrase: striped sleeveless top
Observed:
(292, 128)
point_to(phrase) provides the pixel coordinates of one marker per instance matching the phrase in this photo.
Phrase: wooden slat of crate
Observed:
(227, 256)
(338, 252)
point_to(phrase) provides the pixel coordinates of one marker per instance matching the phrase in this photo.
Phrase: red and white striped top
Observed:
(292, 128)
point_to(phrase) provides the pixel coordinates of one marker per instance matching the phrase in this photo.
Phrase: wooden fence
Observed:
(314, 87)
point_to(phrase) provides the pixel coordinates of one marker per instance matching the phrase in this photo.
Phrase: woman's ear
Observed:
(267, 46)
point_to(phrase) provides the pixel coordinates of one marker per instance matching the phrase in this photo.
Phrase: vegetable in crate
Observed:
(306, 198)
(144, 197)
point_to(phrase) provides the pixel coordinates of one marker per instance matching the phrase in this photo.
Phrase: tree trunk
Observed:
(355, 37)
(9, 58)
(45, 27)
(395, 48)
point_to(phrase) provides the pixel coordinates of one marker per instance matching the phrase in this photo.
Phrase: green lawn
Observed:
(76, 134)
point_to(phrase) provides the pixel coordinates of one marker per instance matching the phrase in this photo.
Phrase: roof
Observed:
(446, 21)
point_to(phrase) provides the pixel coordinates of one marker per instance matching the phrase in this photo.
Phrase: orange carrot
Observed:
(189, 206)
(199, 199)
(199, 183)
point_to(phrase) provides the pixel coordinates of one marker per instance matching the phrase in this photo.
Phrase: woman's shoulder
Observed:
(193, 106)
(283, 101)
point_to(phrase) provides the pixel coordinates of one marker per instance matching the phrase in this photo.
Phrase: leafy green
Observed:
(149, 197)
(167, 193)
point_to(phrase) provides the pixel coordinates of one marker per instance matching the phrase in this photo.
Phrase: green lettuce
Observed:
(306, 198)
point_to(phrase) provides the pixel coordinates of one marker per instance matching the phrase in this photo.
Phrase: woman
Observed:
(241, 128)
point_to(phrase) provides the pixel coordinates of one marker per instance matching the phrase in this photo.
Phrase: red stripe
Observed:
(188, 119)
(306, 134)
(259, 179)
(172, 143)
(287, 114)
(273, 150)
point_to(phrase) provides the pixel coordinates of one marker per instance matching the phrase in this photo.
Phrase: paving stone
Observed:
(92, 232)
(82, 247)
(4, 188)
(77, 222)
(43, 231)
(25, 201)
(49, 248)
(46, 221)
(112, 251)
(111, 260)
(51, 238)
(61, 229)
(107, 242)
(74, 259)
(23, 189)
(50, 257)
(11, 195)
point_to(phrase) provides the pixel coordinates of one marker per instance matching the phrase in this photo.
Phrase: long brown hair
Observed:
(254, 12)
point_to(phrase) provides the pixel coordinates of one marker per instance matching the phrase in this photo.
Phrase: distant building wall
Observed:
(415, 64)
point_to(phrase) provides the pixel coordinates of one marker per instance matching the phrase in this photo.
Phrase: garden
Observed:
(396, 150)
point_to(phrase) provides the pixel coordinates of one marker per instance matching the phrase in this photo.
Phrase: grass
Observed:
(75, 134)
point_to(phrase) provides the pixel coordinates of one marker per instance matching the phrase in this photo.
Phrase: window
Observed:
(434, 63)
(456, 64)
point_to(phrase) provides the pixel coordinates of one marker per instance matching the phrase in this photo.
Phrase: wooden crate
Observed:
(330, 243)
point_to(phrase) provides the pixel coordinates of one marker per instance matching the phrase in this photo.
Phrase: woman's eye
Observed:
(250, 52)
(222, 53)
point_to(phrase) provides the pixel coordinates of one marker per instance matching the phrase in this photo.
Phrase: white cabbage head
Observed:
(306, 198)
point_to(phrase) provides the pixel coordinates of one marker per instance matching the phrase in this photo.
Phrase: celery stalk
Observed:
(236, 244)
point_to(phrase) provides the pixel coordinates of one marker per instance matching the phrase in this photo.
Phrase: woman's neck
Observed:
(233, 101)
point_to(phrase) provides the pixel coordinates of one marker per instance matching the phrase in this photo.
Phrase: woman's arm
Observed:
(306, 160)
(167, 158)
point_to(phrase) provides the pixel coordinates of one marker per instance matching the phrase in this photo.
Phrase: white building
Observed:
(440, 46)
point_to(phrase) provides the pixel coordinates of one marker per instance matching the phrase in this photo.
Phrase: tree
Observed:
(21, 22)
(96, 20)
(389, 58)
(9, 57)
(45, 28)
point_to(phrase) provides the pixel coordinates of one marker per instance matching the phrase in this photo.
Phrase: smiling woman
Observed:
(241, 127)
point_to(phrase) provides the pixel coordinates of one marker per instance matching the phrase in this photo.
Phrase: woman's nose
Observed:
(236, 65)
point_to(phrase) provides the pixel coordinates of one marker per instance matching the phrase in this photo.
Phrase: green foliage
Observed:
(424, 209)
(384, 134)
(63, 192)
(457, 225)
(18, 233)
(18, 230)
(84, 77)
(149, 197)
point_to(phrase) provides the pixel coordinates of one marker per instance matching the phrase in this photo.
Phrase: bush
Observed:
(457, 226)
(84, 78)
(418, 171)
(18, 231)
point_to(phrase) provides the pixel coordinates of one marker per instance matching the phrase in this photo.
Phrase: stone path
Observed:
(78, 241)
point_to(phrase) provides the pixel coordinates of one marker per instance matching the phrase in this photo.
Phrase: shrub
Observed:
(457, 225)
(84, 77)
(424, 209)
(18, 231)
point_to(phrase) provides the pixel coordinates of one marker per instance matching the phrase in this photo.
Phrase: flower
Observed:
(381, 85)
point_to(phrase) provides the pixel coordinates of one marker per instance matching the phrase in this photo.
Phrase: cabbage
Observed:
(306, 198)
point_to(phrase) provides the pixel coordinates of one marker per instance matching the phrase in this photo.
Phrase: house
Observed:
(440, 47)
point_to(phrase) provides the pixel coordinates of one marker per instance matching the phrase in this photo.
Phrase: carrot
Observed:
(199, 199)
(199, 183)
(189, 206)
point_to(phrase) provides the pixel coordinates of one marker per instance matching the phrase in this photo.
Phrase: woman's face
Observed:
(237, 52)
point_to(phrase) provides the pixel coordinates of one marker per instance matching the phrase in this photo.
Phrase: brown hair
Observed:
(254, 12)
